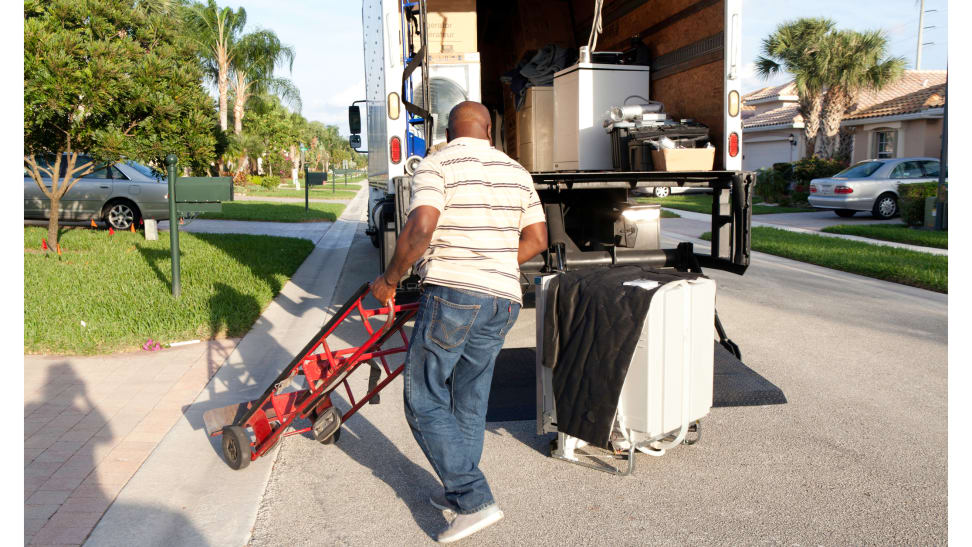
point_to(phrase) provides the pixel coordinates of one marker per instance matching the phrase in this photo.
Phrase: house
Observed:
(903, 119)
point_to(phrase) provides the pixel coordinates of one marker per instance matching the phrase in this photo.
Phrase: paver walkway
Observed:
(90, 422)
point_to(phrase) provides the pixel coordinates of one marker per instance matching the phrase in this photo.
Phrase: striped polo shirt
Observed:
(485, 199)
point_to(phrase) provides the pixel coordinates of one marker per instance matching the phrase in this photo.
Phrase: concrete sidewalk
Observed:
(90, 422)
(184, 493)
(786, 222)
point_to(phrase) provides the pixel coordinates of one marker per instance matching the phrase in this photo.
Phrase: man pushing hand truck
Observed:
(474, 217)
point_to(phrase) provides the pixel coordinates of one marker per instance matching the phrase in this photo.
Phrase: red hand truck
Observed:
(323, 369)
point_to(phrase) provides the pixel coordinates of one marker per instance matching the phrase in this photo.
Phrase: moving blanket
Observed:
(591, 326)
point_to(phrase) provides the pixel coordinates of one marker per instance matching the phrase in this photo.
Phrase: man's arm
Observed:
(412, 243)
(533, 241)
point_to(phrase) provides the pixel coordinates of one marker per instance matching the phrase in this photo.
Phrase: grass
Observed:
(277, 212)
(898, 233)
(316, 192)
(669, 214)
(120, 287)
(702, 203)
(914, 268)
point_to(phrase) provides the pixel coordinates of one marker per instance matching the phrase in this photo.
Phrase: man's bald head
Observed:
(469, 119)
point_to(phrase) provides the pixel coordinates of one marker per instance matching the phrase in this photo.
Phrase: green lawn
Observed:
(277, 212)
(702, 203)
(120, 287)
(894, 232)
(879, 261)
(317, 192)
(669, 214)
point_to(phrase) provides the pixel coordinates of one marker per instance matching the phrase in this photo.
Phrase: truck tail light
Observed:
(733, 103)
(843, 190)
(395, 149)
(733, 145)
(394, 105)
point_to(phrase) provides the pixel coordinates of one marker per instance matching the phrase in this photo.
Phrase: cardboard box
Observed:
(534, 130)
(452, 26)
(683, 159)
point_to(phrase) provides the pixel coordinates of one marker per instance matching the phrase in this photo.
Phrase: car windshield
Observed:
(859, 171)
(145, 170)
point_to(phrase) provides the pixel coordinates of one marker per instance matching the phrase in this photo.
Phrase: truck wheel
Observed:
(845, 213)
(236, 447)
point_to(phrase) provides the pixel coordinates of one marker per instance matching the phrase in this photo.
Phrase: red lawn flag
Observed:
(111, 231)
(43, 244)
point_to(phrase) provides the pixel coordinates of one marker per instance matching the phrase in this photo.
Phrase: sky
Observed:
(329, 67)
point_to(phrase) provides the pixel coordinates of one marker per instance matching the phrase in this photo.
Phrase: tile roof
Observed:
(768, 92)
(785, 114)
(914, 92)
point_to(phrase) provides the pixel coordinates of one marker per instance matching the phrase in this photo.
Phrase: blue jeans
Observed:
(448, 371)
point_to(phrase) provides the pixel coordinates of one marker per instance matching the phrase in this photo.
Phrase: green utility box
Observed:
(316, 178)
(931, 208)
(202, 194)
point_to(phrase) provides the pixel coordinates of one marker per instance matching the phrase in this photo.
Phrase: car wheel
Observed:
(661, 191)
(845, 213)
(885, 207)
(120, 215)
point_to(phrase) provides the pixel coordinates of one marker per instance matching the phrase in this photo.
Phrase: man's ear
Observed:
(489, 132)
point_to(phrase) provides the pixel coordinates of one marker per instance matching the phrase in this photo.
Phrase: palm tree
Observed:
(253, 68)
(796, 47)
(855, 61)
(217, 33)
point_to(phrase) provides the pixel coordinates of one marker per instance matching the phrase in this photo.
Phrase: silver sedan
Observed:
(871, 185)
(118, 194)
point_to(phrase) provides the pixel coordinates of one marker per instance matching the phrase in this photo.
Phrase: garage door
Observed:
(765, 154)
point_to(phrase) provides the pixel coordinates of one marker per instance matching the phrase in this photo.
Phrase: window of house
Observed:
(885, 143)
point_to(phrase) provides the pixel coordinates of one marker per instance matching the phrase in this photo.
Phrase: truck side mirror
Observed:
(354, 120)
(355, 141)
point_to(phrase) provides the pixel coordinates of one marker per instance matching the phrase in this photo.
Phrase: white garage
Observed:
(765, 150)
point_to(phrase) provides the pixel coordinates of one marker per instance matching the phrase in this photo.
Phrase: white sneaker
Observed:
(467, 525)
(439, 501)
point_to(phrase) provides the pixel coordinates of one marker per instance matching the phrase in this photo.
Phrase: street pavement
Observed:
(857, 455)
(184, 494)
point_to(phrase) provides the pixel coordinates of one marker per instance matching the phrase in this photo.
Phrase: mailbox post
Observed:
(170, 162)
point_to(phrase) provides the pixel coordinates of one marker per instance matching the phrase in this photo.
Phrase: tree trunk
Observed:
(52, 224)
(223, 100)
(834, 107)
(237, 116)
(810, 110)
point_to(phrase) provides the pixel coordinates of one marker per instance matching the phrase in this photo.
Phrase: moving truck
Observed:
(423, 56)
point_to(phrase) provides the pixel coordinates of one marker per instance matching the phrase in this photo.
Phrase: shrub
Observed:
(256, 180)
(270, 182)
(911, 201)
(770, 185)
(813, 167)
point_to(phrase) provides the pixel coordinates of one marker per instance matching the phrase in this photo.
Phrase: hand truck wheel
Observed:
(236, 447)
(327, 426)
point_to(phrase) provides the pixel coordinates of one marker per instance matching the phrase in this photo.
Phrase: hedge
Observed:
(911, 201)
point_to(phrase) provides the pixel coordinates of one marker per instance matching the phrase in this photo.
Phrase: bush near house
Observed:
(787, 184)
(911, 201)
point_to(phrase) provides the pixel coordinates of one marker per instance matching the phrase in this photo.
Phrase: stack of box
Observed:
(534, 130)
(453, 57)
